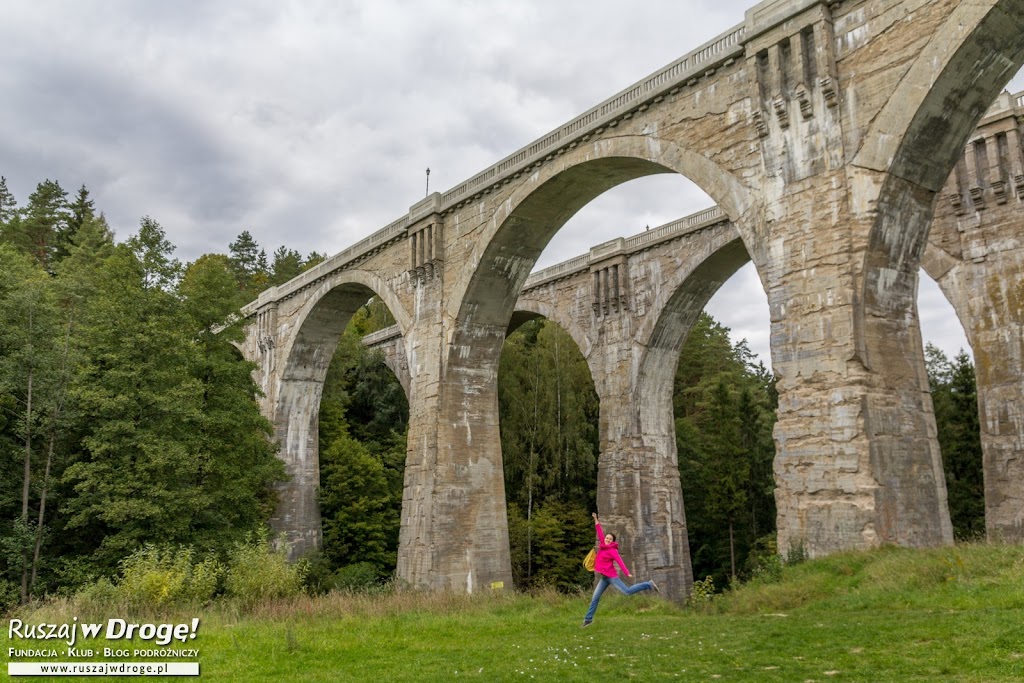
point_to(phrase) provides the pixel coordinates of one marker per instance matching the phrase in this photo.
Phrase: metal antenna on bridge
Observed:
(428, 184)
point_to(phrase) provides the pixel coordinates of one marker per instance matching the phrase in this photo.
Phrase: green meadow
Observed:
(950, 614)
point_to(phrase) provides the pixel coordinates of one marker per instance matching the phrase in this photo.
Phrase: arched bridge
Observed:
(824, 131)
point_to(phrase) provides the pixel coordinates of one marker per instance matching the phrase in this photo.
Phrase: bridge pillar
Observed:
(640, 500)
(639, 496)
(997, 337)
(858, 462)
(454, 531)
(999, 361)
(976, 256)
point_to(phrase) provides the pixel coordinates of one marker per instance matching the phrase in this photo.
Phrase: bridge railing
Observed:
(381, 336)
(329, 265)
(722, 50)
(682, 226)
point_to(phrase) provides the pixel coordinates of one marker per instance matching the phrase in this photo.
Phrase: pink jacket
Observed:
(607, 556)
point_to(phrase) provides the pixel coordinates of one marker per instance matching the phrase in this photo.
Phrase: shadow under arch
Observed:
(322, 321)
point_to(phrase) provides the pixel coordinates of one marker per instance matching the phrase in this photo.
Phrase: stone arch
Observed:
(306, 358)
(904, 160)
(524, 223)
(937, 264)
(937, 104)
(350, 281)
(917, 137)
(664, 332)
(394, 357)
(507, 250)
(529, 309)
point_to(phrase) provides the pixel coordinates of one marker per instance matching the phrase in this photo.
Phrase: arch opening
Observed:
(673, 307)
(701, 382)
(548, 410)
(954, 395)
(341, 422)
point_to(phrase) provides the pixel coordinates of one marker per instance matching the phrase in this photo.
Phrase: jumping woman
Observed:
(604, 567)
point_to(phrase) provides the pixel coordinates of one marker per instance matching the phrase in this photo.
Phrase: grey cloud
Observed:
(311, 124)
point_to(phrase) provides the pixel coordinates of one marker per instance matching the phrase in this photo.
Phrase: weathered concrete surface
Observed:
(823, 130)
(630, 310)
(976, 254)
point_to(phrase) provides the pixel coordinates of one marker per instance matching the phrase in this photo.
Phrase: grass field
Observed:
(952, 614)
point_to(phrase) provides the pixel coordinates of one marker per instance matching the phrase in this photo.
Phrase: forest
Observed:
(129, 422)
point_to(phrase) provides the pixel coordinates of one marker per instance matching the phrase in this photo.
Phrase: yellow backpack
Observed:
(590, 560)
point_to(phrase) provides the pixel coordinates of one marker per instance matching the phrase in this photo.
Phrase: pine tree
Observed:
(360, 520)
(725, 410)
(248, 263)
(955, 402)
(8, 205)
(43, 228)
(286, 265)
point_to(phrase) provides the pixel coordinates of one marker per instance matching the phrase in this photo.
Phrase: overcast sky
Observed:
(310, 124)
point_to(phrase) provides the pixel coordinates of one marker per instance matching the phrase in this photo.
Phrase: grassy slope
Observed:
(952, 614)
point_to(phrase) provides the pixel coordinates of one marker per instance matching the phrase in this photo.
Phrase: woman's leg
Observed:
(601, 585)
(629, 590)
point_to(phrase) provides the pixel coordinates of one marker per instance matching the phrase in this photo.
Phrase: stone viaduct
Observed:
(825, 131)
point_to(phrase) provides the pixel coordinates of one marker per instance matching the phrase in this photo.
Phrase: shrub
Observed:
(764, 562)
(158, 577)
(9, 595)
(703, 593)
(317, 573)
(256, 572)
(797, 552)
(97, 597)
(356, 577)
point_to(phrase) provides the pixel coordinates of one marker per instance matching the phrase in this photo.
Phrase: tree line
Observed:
(126, 420)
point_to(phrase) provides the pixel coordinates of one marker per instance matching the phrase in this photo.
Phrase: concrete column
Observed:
(776, 88)
(999, 362)
(988, 293)
(1016, 162)
(857, 463)
(454, 532)
(639, 496)
(296, 521)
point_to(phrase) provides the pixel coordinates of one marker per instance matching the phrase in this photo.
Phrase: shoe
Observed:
(586, 624)
(655, 586)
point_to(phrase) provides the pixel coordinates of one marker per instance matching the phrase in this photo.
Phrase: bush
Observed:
(703, 593)
(158, 577)
(797, 552)
(256, 572)
(97, 598)
(764, 562)
(356, 577)
(10, 593)
(317, 573)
